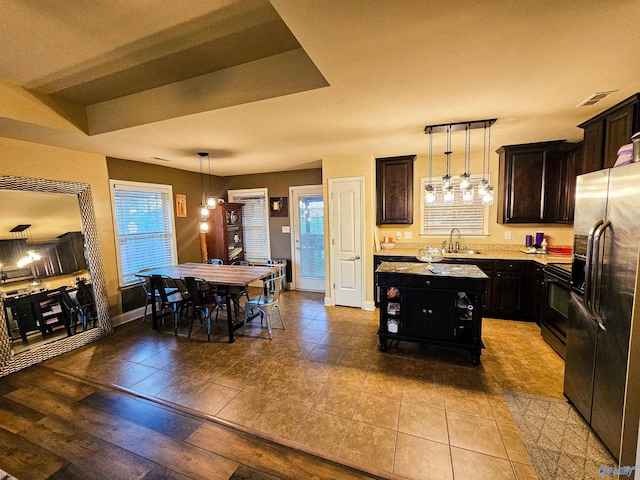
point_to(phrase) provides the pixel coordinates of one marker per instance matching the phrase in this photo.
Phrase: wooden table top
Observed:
(231, 275)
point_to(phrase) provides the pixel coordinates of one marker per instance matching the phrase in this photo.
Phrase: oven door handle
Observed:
(597, 274)
(588, 267)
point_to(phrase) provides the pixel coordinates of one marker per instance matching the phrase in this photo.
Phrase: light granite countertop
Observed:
(485, 254)
(439, 269)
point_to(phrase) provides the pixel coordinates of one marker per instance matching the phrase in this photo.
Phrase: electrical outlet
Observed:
(398, 235)
(507, 235)
(408, 235)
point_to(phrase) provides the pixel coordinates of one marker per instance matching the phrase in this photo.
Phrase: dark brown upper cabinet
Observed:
(394, 187)
(535, 183)
(605, 133)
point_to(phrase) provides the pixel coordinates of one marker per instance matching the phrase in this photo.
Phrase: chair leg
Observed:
(146, 305)
(280, 315)
(267, 314)
(191, 325)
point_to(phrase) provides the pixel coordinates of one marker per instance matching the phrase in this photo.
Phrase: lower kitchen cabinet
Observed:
(510, 297)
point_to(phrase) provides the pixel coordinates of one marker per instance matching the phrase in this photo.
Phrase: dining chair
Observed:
(145, 283)
(170, 304)
(266, 302)
(216, 261)
(71, 310)
(236, 293)
(202, 306)
(86, 304)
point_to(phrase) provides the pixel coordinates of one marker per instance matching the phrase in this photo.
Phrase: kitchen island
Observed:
(438, 304)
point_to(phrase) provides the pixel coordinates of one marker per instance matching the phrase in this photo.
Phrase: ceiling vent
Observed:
(595, 98)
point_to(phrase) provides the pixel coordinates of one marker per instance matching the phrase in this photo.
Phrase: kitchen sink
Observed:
(465, 252)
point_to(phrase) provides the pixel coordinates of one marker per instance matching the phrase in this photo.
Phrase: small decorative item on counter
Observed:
(528, 240)
(387, 243)
(544, 244)
(429, 254)
(392, 325)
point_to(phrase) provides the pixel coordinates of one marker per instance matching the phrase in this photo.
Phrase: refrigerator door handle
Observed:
(588, 268)
(597, 274)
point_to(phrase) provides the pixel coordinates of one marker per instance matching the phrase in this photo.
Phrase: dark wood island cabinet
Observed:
(439, 304)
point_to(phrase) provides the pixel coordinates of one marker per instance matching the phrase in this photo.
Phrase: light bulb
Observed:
(467, 196)
(430, 194)
(448, 194)
(204, 212)
(465, 181)
(487, 196)
(446, 181)
(211, 201)
(482, 186)
(204, 227)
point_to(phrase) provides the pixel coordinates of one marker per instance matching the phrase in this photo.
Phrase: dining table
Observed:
(223, 277)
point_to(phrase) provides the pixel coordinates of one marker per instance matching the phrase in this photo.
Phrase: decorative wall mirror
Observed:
(54, 263)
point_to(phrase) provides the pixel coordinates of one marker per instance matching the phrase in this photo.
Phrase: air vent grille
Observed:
(595, 98)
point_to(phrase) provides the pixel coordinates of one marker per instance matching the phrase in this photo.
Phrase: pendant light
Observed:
(212, 202)
(465, 178)
(448, 191)
(430, 189)
(204, 211)
(486, 190)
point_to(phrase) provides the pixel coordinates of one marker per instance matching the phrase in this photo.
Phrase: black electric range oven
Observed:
(555, 306)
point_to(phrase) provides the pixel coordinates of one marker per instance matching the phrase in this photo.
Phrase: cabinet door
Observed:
(428, 314)
(618, 128)
(538, 293)
(593, 144)
(560, 185)
(522, 186)
(394, 189)
(574, 168)
(510, 289)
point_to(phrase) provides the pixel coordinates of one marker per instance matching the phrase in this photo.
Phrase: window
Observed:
(438, 219)
(144, 227)
(255, 222)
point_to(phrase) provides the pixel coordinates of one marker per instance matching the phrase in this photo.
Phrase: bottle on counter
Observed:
(544, 244)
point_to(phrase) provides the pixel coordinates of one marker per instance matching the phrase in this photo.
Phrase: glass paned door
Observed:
(308, 238)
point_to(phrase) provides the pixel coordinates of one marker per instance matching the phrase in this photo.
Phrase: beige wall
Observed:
(182, 182)
(38, 161)
(277, 185)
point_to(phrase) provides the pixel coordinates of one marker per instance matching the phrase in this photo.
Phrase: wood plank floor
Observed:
(54, 426)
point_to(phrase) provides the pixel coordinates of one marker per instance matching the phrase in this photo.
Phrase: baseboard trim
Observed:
(129, 316)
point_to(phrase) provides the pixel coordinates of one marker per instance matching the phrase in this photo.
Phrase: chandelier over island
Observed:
(484, 189)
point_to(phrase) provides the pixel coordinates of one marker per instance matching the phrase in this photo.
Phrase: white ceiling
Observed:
(279, 86)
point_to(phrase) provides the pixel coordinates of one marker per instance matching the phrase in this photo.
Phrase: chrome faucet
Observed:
(457, 247)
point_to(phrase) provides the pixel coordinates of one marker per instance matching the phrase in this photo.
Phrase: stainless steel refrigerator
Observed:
(602, 360)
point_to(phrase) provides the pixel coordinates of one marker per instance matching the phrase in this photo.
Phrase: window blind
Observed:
(144, 225)
(440, 218)
(255, 222)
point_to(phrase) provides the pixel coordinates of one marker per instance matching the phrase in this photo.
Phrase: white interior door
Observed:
(346, 240)
(307, 221)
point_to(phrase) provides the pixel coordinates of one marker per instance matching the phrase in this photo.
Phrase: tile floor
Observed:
(417, 411)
